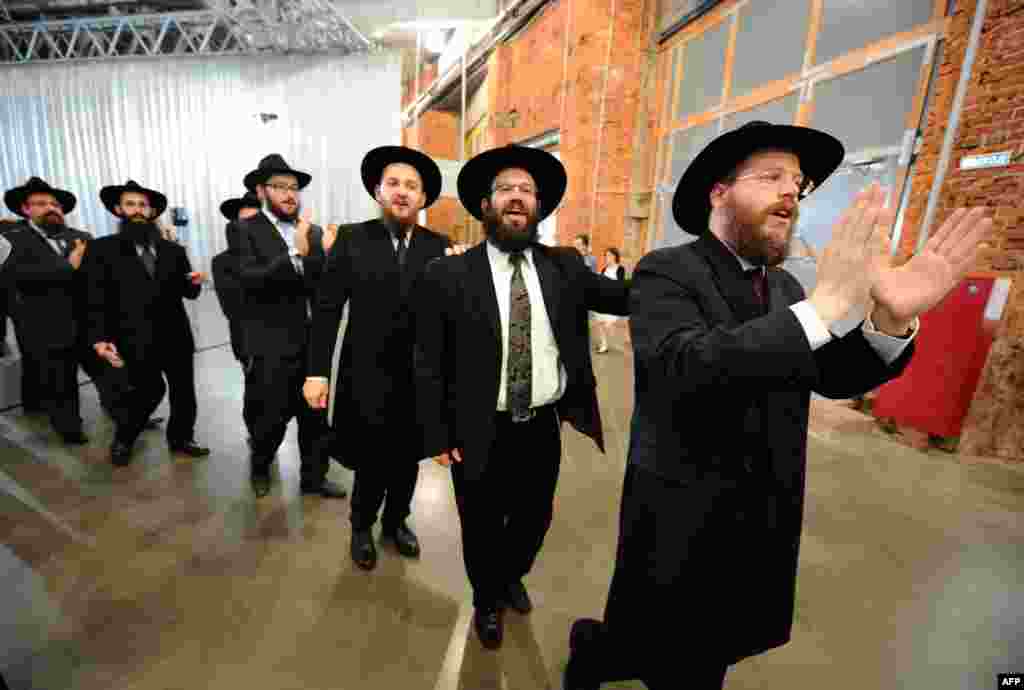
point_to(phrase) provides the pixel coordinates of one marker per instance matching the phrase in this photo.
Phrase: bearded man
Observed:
(503, 356)
(374, 268)
(137, 322)
(727, 351)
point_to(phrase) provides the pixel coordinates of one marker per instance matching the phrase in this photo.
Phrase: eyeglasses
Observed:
(504, 188)
(778, 176)
(293, 188)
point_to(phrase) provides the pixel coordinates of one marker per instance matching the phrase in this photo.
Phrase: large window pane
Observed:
(868, 108)
(687, 144)
(847, 25)
(779, 112)
(762, 25)
(703, 71)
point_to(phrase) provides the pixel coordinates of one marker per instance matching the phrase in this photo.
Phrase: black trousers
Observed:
(31, 375)
(273, 397)
(506, 512)
(179, 370)
(390, 478)
(58, 387)
(134, 391)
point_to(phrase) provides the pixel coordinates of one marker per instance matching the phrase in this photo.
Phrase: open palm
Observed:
(921, 283)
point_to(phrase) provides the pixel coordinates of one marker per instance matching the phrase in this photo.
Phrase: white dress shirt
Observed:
(888, 347)
(549, 375)
(287, 231)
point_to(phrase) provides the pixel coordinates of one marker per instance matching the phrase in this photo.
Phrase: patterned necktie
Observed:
(401, 249)
(148, 260)
(520, 355)
(760, 285)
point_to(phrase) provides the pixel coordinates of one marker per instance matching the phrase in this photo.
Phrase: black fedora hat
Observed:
(819, 153)
(477, 176)
(271, 165)
(230, 208)
(111, 197)
(15, 198)
(381, 157)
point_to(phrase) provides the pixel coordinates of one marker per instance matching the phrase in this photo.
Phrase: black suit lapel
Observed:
(45, 243)
(734, 286)
(547, 274)
(482, 285)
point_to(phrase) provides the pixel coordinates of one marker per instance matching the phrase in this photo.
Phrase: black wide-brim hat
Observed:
(477, 176)
(111, 197)
(230, 208)
(819, 153)
(381, 157)
(271, 165)
(15, 198)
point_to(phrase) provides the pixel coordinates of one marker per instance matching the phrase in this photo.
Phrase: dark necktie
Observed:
(759, 282)
(400, 250)
(57, 237)
(148, 260)
(520, 355)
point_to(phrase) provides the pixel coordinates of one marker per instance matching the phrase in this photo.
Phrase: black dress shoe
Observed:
(516, 597)
(577, 675)
(190, 448)
(364, 553)
(75, 438)
(405, 540)
(489, 627)
(260, 484)
(153, 423)
(120, 454)
(326, 488)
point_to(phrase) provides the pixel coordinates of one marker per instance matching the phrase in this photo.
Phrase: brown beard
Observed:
(751, 241)
(507, 238)
(283, 215)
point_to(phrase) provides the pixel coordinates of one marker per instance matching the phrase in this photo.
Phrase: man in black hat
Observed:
(224, 267)
(375, 267)
(44, 274)
(280, 257)
(503, 355)
(137, 321)
(728, 351)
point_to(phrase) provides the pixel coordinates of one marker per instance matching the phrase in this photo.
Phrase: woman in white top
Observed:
(605, 323)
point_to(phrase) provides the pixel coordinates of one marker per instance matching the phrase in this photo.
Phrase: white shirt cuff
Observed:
(814, 328)
(888, 347)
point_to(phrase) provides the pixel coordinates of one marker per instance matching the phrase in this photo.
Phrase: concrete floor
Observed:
(168, 574)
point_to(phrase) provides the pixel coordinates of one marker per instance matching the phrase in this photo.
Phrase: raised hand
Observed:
(77, 253)
(196, 277)
(315, 392)
(455, 250)
(109, 352)
(302, 229)
(329, 236)
(448, 457)
(849, 263)
(904, 292)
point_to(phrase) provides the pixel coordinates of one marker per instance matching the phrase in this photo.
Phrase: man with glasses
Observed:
(503, 356)
(374, 269)
(137, 321)
(48, 307)
(280, 258)
(727, 351)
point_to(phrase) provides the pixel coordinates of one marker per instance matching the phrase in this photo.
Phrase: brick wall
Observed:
(447, 216)
(992, 120)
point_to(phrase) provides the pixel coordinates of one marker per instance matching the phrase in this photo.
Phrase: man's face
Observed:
(282, 196)
(134, 207)
(400, 194)
(510, 214)
(247, 212)
(761, 207)
(43, 209)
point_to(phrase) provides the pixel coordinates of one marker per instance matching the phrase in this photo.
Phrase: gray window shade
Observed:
(769, 43)
(847, 25)
(868, 108)
(671, 234)
(687, 144)
(778, 112)
(703, 71)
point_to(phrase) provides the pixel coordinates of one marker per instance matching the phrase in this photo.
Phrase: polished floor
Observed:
(168, 575)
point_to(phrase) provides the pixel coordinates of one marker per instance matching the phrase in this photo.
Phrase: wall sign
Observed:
(988, 160)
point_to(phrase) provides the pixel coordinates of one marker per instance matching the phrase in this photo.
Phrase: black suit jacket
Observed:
(49, 301)
(375, 372)
(459, 346)
(721, 410)
(276, 298)
(144, 317)
(231, 296)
